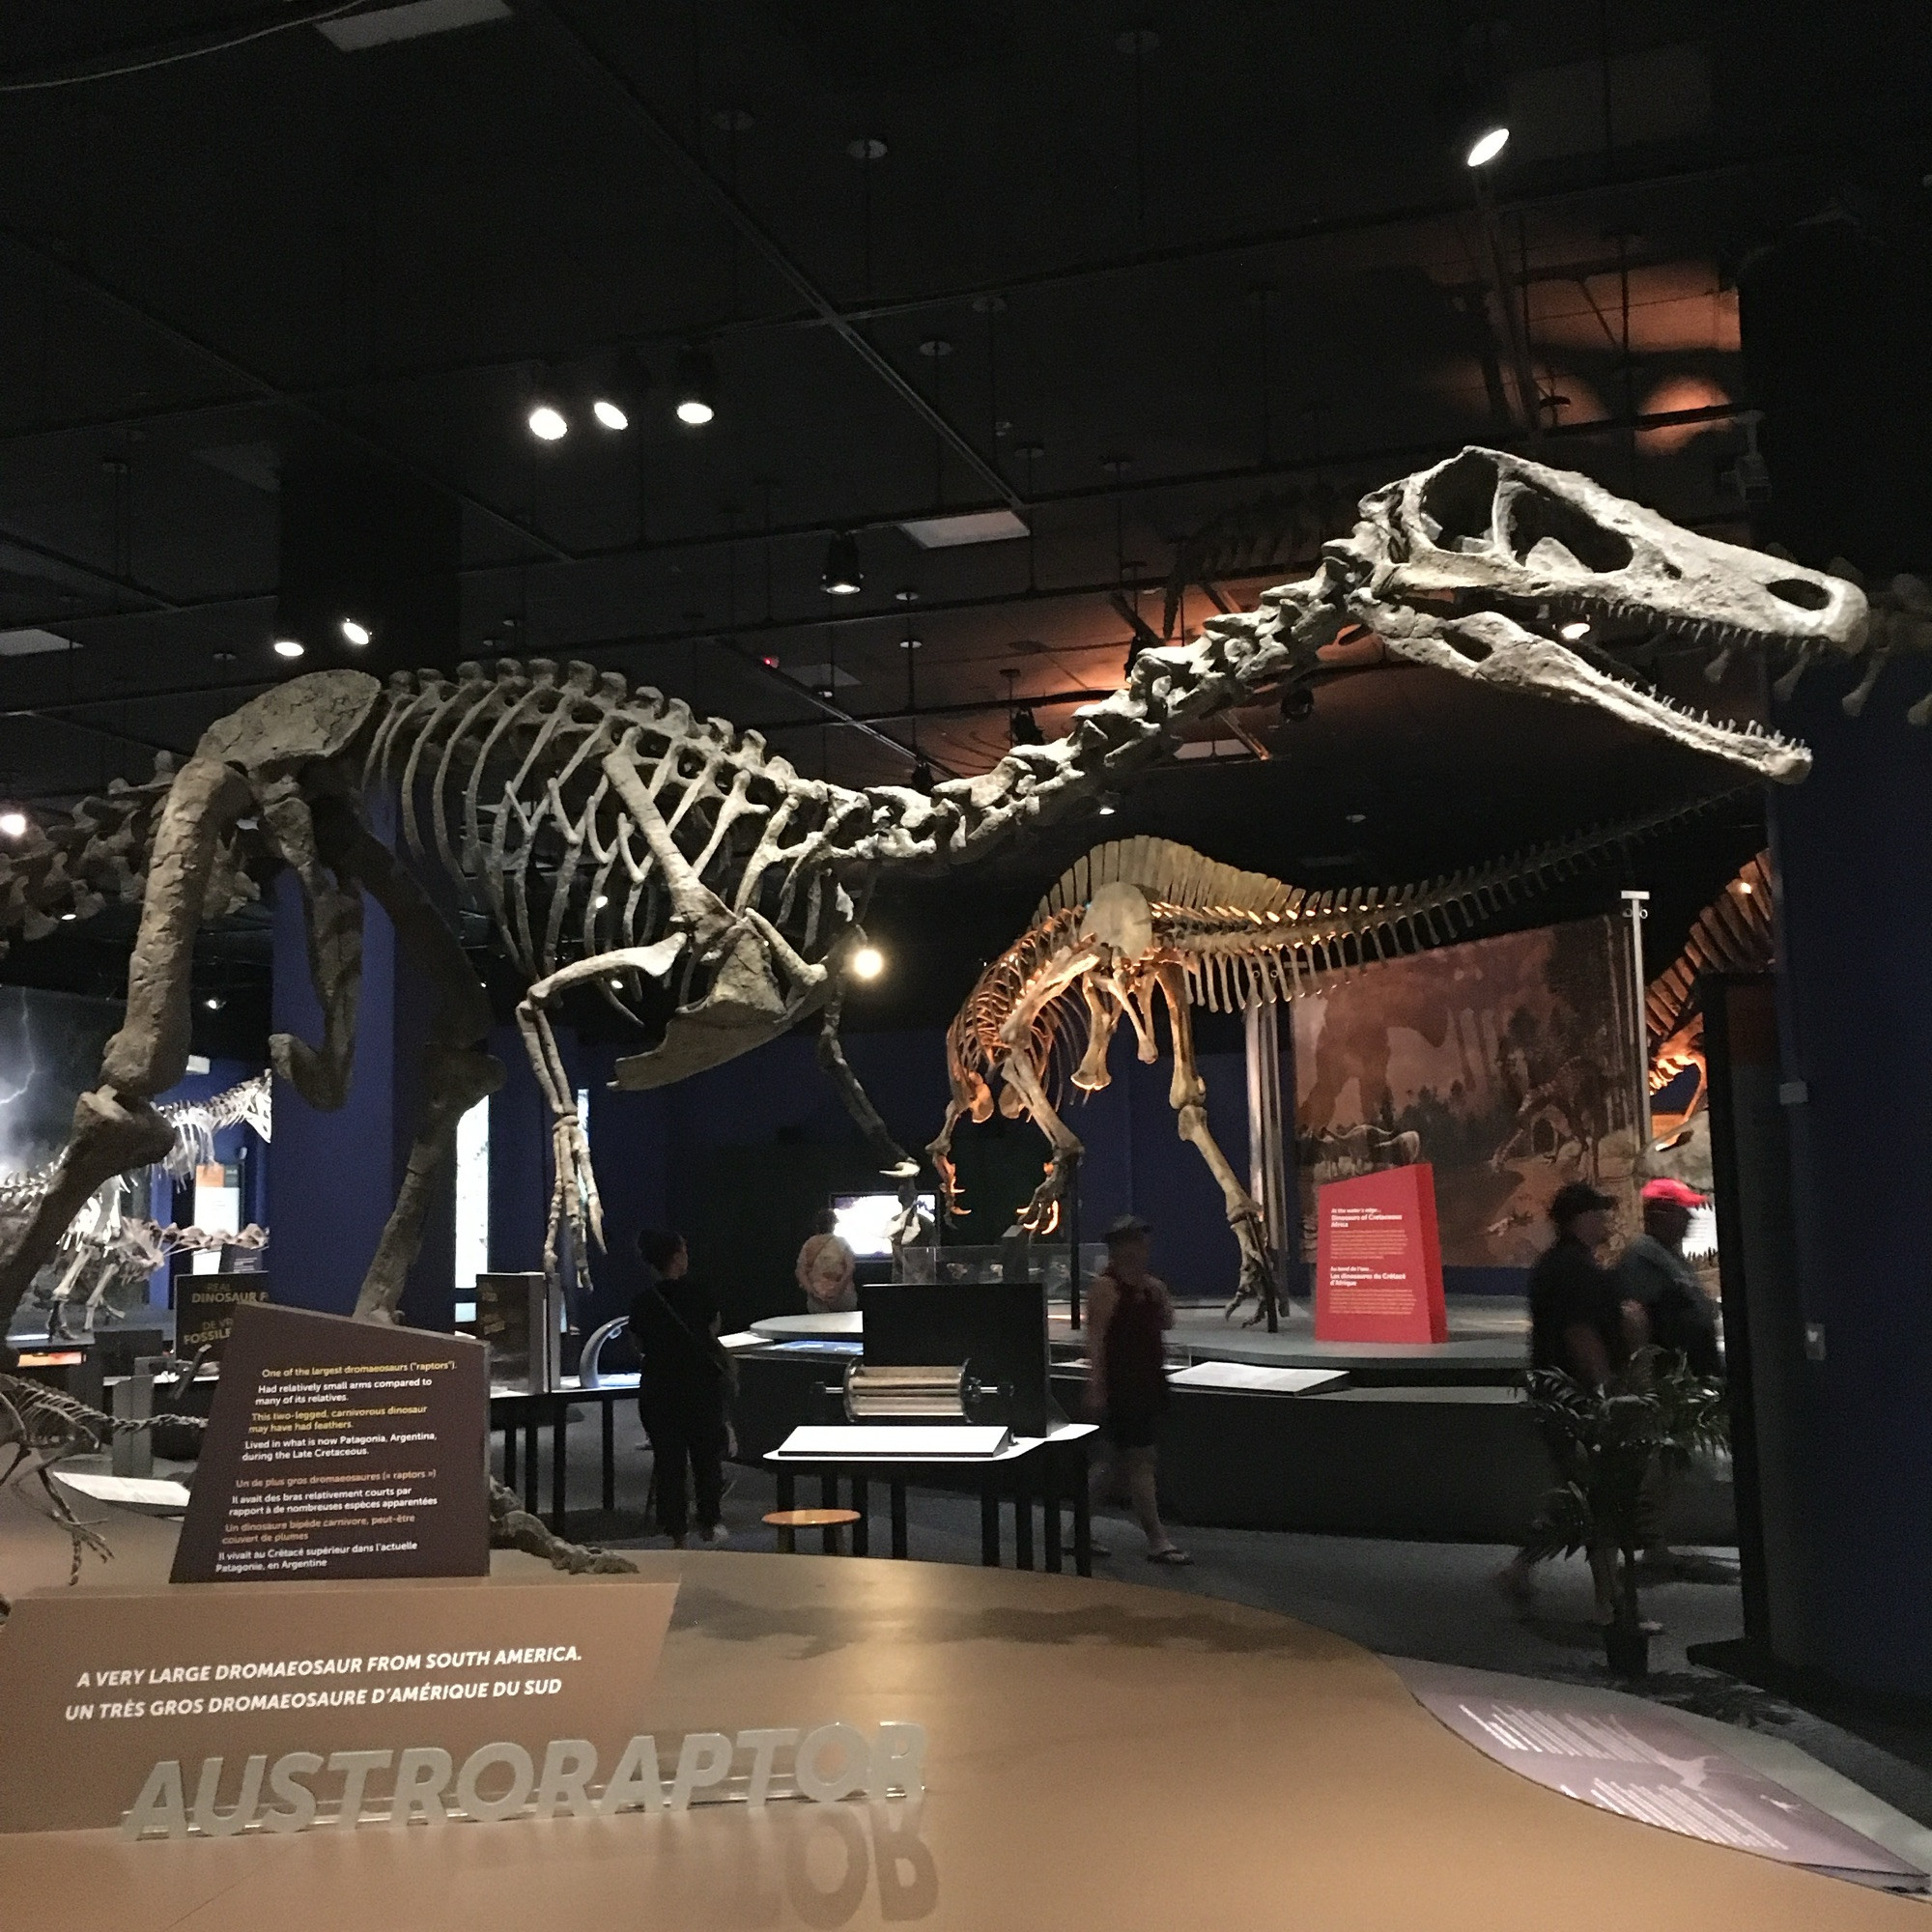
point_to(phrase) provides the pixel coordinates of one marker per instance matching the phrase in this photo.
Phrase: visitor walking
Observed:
(1579, 1324)
(825, 1265)
(1128, 1313)
(682, 1389)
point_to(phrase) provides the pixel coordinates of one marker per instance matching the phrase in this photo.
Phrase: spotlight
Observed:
(921, 773)
(215, 1003)
(1357, 817)
(609, 413)
(1486, 147)
(547, 422)
(1023, 728)
(842, 576)
(1578, 627)
(696, 386)
(1109, 803)
(1745, 885)
(599, 902)
(69, 915)
(287, 647)
(867, 963)
(12, 824)
(616, 984)
(357, 633)
(618, 396)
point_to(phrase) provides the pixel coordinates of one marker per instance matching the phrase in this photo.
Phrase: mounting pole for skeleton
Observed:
(1268, 1173)
(1637, 909)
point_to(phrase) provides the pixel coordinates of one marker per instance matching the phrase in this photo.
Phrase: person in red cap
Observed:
(1678, 1315)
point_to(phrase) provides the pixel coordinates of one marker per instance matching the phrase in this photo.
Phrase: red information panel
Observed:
(1379, 1264)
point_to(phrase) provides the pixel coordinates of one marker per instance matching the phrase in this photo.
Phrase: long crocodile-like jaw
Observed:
(1538, 581)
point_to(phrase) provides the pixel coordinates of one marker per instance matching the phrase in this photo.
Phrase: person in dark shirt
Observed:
(1678, 1315)
(1579, 1324)
(681, 1391)
(1576, 1313)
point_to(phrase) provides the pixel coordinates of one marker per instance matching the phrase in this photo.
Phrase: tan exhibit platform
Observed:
(1100, 1756)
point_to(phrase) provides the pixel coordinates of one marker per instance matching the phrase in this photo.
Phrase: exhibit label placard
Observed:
(340, 1449)
(308, 1690)
(205, 1306)
(1379, 1261)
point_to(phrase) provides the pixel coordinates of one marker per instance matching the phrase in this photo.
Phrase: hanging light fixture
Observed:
(921, 773)
(356, 632)
(544, 412)
(696, 386)
(614, 402)
(1488, 143)
(288, 647)
(842, 576)
(1022, 726)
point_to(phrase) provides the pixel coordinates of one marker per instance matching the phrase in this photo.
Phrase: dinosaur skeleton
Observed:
(665, 860)
(1143, 917)
(1733, 934)
(111, 1251)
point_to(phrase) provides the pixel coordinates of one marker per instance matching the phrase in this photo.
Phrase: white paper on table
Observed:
(1255, 1378)
(138, 1492)
(954, 1441)
(745, 1338)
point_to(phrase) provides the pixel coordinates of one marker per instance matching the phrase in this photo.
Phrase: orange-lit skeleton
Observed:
(1143, 917)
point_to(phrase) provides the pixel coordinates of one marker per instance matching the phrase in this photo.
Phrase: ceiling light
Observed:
(922, 772)
(697, 388)
(547, 422)
(1357, 817)
(1578, 627)
(1110, 803)
(215, 1003)
(609, 413)
(357, 633)
(287, 647)
(1745, 885)
(617, 985)
(599, 902)
(842, 576)
(12, 824)
(967, 527)
(1486, 147)
(70, 915)
(868, 962)
(1023, 728)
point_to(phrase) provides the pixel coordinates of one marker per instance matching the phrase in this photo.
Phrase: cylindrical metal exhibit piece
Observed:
(878, 1394)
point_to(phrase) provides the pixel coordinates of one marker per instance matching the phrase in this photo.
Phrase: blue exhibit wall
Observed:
(1853, 851)
(739, 1158)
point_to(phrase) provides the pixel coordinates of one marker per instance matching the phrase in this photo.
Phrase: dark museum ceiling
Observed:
(1121, 271)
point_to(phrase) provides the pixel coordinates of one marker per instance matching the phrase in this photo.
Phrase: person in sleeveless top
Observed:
(1128, 1314)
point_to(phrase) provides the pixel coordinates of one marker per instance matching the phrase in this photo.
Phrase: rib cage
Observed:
(1733, 934)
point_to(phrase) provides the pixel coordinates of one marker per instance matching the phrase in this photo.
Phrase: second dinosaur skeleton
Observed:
(1145, 916)
(668, 862)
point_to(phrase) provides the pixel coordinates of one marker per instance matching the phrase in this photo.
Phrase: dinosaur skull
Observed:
(1502, 570)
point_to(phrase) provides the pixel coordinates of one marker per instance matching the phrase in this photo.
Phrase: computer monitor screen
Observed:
(864, 1221)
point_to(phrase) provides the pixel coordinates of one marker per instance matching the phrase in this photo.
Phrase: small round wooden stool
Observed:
(833, 1521)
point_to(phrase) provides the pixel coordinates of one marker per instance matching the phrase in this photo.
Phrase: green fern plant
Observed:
(1655, 1413)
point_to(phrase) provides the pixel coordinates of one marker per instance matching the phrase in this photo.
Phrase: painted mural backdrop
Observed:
(1510, 1064)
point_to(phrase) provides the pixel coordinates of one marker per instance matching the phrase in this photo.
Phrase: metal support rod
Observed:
(1637, 909)
(1267, 1169)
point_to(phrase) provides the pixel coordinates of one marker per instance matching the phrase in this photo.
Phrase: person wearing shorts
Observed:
(1128, 1314)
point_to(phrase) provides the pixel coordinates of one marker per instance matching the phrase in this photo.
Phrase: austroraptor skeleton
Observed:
(1141, 917)
(618, 840)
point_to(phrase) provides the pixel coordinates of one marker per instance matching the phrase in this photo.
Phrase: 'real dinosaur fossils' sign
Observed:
(340, 1448)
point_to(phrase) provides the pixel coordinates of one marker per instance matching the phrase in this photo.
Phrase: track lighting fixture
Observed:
(287, 647)
(1297, 702)
(1110, 804)
(615, 401)
(1023, 728)
(356, 633)
(842, 576)
(921, 773)
(12, 824)
(696, 386)
(545, 419)
(867, 963)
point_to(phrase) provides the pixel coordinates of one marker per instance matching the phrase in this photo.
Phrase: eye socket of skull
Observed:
(1460, 499)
